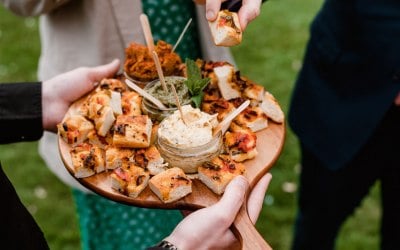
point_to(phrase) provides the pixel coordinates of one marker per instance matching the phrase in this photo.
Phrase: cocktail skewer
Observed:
(182, 33)
(162, 80)
(224, 124)
(159, 70)
(147, 32)
(146, 95)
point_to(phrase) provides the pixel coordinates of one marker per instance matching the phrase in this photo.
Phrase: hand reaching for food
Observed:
(248, 12)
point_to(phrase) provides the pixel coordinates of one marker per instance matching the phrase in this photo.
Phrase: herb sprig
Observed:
(195, 82)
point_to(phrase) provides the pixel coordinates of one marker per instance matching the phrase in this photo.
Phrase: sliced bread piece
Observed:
(87, 160)
(217, 173)
(227, 87)
(226, 30)
(171, 185)
(271, 108)
(129, 179)
(132, 131)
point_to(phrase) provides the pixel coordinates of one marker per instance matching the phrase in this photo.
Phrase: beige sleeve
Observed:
(32, 7)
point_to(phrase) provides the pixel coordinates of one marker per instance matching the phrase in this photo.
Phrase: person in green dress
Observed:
(89, 33)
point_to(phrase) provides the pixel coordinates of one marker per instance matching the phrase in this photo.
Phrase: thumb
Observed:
(104, 71)
(212, 8)
(234, 196)
(256, 197)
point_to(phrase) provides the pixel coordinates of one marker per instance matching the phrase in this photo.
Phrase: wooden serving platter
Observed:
(269, 145)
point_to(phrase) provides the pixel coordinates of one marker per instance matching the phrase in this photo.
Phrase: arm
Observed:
(209, 228)
(28, 108)
(20, 112)
(32, 8)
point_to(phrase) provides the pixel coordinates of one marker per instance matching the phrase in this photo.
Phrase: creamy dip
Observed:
(167, 97)
(196, 132)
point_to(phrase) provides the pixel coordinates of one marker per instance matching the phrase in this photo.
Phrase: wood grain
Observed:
(269, 146)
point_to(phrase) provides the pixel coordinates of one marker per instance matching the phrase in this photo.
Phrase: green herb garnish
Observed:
(195, 82)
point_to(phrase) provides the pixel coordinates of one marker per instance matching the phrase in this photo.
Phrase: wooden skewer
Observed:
(181, 35)
(147, 32)
(162, 80)
(224, 124)
(178, 103)
(146, 95)
(159, 70)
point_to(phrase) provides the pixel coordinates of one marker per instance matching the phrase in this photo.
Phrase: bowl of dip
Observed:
(167, 98)
(139, 65)
(187, 145)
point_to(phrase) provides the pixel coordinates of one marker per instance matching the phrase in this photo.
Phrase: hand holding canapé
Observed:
(247, 13)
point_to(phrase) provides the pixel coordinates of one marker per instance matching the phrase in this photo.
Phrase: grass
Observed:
(270, 54)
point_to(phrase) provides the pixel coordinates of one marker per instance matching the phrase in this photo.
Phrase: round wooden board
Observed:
(269, 146)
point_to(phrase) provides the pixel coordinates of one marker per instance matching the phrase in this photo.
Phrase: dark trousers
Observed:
(328, 197)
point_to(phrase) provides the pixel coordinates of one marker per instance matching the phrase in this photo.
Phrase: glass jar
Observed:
(155, 89)
(141, 84)
(189, 158)
(155, 114)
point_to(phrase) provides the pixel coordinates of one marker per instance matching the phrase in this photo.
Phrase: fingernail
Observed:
(210, 15)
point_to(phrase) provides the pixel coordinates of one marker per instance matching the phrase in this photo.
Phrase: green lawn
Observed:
(270, 54)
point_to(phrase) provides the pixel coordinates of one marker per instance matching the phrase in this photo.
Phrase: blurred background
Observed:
(270, 54)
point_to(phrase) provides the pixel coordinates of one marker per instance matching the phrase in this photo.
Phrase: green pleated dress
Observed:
(105, 224)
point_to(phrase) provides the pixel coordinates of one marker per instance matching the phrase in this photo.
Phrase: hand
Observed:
(209, 228)
(61, 91)
(397, 100)
(248, 12)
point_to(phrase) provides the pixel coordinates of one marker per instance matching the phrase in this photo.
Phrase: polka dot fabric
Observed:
(168, 19)
(104, 224)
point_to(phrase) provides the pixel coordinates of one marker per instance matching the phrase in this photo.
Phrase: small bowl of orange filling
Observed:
(139, 65)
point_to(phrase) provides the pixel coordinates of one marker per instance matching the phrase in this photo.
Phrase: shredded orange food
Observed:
(139, 63)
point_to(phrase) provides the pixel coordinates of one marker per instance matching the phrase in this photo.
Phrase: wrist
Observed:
(181, 241)
(46, 107)
(167, 245)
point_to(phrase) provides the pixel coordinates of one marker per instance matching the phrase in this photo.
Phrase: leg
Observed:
(390, 227)
(327, 198)
(388, 139)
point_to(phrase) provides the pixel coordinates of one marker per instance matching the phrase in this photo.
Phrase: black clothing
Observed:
(20, 112)
(18, 229)
(328, 197)
(349, 79)
(20, 120)
(343, 113)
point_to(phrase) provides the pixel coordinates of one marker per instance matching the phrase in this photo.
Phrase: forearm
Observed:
(32, 7)
(20, 112)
